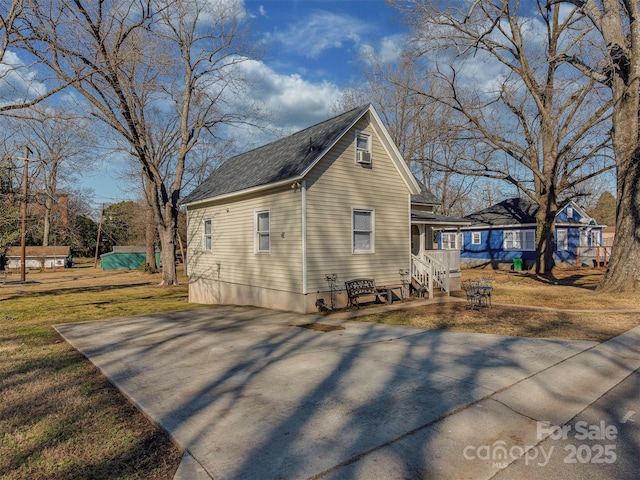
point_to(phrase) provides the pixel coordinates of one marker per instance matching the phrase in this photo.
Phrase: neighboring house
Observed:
(507, 230)
(608, 234)
(271, 224)
(125, 257)
(38, 257)
(426, 224)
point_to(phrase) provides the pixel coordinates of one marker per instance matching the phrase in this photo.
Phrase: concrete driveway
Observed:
(251, 395)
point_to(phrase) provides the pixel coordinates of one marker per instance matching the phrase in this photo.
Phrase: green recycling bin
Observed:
(517, 264)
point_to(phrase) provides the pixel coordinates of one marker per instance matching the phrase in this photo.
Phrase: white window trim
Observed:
(256, 238)
(564, 246)
(372, 240)
(204, 235)
(569, 212)
(457, 243)
(594, 235)
(473, 238)
(519, 240)
(359, 134)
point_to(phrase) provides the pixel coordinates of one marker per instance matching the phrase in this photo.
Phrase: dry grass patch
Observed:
(568, 289)
(59, 417)
(508, 320)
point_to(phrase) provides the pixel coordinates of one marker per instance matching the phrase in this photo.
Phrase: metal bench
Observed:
(361, 287)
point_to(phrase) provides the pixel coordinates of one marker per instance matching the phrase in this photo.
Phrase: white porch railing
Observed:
(428, 271)
(450, 258)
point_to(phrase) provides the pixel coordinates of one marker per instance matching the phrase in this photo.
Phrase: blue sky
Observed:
(322, 40)
(311, 53)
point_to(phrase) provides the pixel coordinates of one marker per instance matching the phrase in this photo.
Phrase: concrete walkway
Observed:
(249, 394)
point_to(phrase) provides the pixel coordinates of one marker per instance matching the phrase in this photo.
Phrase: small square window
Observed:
(476, 238)
(363, 142)
(450, 241)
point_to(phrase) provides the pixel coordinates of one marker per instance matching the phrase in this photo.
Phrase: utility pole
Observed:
(95, 262)
(23, 214)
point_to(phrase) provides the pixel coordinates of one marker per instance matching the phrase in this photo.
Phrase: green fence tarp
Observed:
(124, 260)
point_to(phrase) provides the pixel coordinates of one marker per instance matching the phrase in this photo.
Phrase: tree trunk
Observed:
(150, 244)
(168, 256)
(623, 271)
(545, 239)
(48, 206)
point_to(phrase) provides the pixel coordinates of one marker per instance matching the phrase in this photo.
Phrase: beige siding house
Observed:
(268, 226)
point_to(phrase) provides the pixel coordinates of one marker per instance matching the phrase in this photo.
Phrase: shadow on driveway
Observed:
(249, 394)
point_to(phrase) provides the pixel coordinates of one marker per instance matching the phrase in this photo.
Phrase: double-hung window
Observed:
(263, 236)
(450, 241)
(519, 240)
(475, 238)
(363, 230)
(207, 235)
(363, 148)
(561, 239)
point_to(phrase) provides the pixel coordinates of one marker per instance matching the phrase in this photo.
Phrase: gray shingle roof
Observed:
(436, 218)
(286, 158)
(425, 197)
(513, 211)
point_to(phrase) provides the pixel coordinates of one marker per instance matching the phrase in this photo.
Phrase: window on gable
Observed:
(263, 237)
(363, 231)
(363, 148)
(519, 240)
(569, 212)
(207, 235)
(475, 238)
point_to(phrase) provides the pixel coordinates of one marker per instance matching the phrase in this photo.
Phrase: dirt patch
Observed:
(321, 327)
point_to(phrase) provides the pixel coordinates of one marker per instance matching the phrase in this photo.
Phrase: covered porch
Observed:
(434, 268)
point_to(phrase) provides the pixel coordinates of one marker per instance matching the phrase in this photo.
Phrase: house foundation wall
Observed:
(215, 292)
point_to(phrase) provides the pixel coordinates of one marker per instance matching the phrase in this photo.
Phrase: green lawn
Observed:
(59, 417)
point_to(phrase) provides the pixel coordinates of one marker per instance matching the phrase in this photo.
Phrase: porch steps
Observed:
(437, 289)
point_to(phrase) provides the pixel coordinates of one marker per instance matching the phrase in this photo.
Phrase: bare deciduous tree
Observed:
(618, 23)
(131, 59)
(59, 140)
(19, 86)
(537, 124)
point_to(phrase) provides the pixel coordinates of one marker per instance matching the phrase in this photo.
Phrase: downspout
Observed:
(304, 238)
(185, 254)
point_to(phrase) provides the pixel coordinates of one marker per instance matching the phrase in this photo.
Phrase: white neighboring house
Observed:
(37, 258)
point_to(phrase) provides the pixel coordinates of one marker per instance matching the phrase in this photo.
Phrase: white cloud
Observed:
(292, 102)
(18, 81)
(320, 32)
(387, 51)
(211, 12)
(262, 11)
